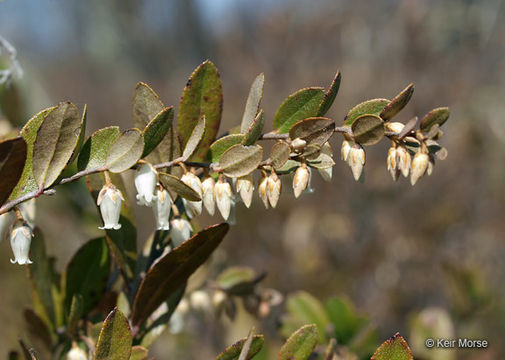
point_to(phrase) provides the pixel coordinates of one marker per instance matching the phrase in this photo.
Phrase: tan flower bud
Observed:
(403, 160)
(208, 195)
(245, 187)
(392, 163)
(298, 144)
(356, 160)
(223, 194)
(300, 180)
(345, 150)
(419, 167)
(394, 126)
(262, 190)
(193, 208)
(273, 189)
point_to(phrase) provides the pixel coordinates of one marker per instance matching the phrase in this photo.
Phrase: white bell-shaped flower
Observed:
(262, 190)
(245, 187)
(28, 210)
(356, 160)
(223, 194)
(146, 178)
(208, 195)
(109, 200)
(21, 238)
(76, 353)
(161, 209)
(193, 208)
(6, 221)
(180, 231)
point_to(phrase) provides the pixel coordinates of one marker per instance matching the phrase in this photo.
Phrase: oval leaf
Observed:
(194, 139)
(395, 348)
(300, 345)
(146, 104)
(173, 183)
(202, 96)
(323, 161)
(172, 270)
(29, 132)
(55, 142)
(240, 160)
(157, 129)
(369, 107)
(12, 163)
(254, 132)
(222, 144)
(94, 151)
(368, 129)
(115, 340)
(139, 353)
(253, 103)
(82, 134)
(398, 103)
(233, 351)
(238, 280)
(125, 151)
(330, 95)
(436, 116)
(316, 130)
(298, 106)
(279, 154)
(87, 274)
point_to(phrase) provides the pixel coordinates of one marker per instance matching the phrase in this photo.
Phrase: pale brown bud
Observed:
(419, 167)
(245, 187)
(300, 180)
(273, 189)
(404, 160)
(346, 148)
(392, 163)
(394, 126)
(356, 160)
(262, 190)
(298, 144)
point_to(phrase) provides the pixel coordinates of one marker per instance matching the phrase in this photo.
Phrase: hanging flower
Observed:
(109, 200)
(392, 163)
(193, 208)
(245, 187)
(208, 195)
(273, 189)
(161, 209)
(403, 160)
(356, 160)
(262, 190)
(146, 178)
(76, 353)
(223, 194)
(300, 180)
(346, 148)
(419, 166)
(180, 231)
(21, 238)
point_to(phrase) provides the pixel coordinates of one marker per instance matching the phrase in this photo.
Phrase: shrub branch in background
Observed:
(180, 167)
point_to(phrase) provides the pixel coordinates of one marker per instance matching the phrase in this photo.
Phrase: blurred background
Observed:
(392, 249)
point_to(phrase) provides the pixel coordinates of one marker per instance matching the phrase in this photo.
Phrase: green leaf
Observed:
(233, 351)
(202, 96)
(156, 130)
(298, 106)
(398, 103)
(139, 353)
(82, 134)
(395, 348)
(125, 151)
(146, 104)
(315, 130)
(172, 270)
(174, 184)
(194, 139)
(300, 345)
(288, 167)
(87, 274)
(12, 162)
(115, 340)
(323, 161)
(37, 327)
(304, 308)
(45, 283)
(75, 313)
(344, 319)
(369, 107)
(94, 151)
(330, 95)
(368, 129)
(280, 154)
(56, 140)
(240, 160)
(253, 103)
(29, 132)
(254, 132)
(123, 242)
(222, 144)
(436, 116)
(238, 280)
